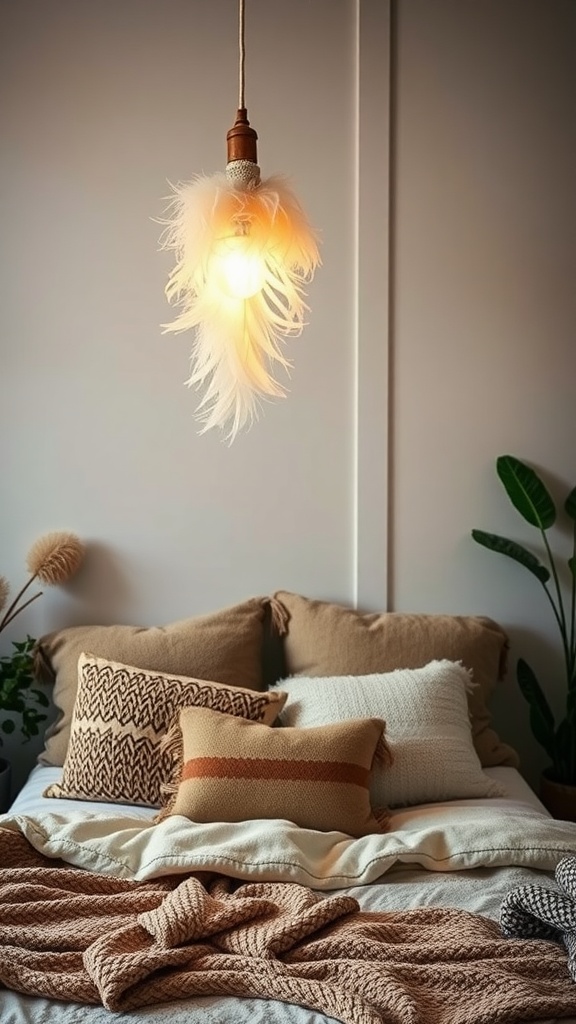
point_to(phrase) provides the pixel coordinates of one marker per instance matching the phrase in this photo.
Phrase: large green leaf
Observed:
(541, 717)
(570, 504)
(520, 554)
(526, 492)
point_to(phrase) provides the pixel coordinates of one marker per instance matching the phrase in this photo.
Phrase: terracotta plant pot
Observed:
(558, 798)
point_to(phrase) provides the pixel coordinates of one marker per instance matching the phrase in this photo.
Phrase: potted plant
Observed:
(53, 559)
(17, 693)
(533, 501)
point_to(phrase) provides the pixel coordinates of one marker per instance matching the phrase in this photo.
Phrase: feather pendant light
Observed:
(243, 252)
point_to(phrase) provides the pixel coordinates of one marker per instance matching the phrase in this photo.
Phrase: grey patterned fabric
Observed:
(539, 912)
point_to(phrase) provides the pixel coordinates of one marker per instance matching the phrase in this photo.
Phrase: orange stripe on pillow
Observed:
(268, 768)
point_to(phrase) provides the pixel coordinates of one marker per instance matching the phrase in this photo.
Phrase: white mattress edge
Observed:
(30, 800)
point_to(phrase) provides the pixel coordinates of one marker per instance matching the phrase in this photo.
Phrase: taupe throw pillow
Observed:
(120, 719)
(225, 646)
(322, 638)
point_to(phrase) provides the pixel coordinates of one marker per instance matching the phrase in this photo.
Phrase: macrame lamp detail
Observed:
(244, 251)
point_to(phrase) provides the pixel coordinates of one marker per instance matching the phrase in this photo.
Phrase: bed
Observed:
(269, 895)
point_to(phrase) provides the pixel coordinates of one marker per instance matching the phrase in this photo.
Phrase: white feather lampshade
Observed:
(244, 251)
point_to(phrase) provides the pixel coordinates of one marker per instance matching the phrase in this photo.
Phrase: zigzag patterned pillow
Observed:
(235, 770)
(120, 717)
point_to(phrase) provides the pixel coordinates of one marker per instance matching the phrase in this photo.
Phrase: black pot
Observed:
(5, 784)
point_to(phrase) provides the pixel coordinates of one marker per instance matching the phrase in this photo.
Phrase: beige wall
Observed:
(101, 104)
(484, 342)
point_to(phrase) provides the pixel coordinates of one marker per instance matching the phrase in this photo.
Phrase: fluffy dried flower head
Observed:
(55, 557)
(4, 591)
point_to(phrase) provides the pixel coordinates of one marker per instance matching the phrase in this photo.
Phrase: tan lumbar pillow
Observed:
(225, 646)
(322, 638)
(121, 716)
(235, 770)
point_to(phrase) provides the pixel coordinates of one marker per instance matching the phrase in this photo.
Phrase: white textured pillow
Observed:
(427, 728)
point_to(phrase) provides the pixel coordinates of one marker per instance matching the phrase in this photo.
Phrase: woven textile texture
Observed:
(319, 778)
(68, 934)
(537, 911)
(120, 718)
(427, 728)
(326, 639)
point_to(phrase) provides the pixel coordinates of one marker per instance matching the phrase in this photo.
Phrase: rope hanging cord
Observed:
(242, 166)
(242, 56)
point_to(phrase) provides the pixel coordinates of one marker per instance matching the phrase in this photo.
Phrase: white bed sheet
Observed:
(30, 800)
(478, 890)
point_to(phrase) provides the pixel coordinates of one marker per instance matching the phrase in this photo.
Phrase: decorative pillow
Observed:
(122, 714)
(225, 646)
(235, 770)
(325, 639)
(427, 728)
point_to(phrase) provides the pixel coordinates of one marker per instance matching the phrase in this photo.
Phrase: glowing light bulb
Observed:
(237, 267)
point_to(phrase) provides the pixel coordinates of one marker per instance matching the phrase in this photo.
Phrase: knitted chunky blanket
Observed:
(70, 934)
(537, 911)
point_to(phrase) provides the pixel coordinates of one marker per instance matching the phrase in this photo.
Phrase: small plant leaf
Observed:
(572, 566)
(41, 698)
(517, 552)
(541, 717)
(526, 491)
(570, 505)
(17, 693)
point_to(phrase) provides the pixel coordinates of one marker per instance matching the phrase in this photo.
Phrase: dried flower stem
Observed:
(52, 559)
(12, 611)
